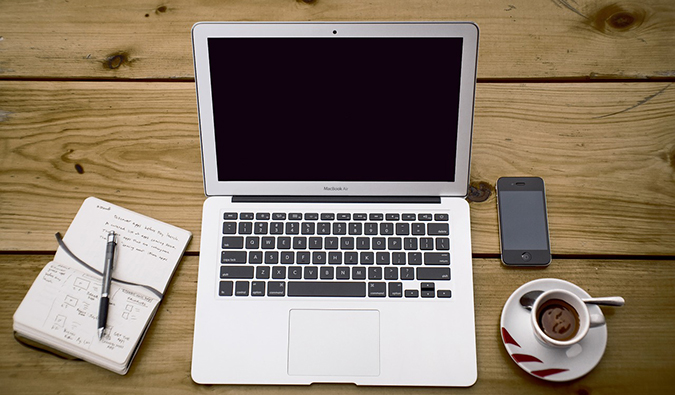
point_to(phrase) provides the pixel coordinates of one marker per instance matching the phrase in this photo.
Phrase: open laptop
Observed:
(335, 242)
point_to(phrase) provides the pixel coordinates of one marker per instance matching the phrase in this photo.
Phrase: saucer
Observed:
(544, 362)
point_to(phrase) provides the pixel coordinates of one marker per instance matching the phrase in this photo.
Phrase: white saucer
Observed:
(548, 363)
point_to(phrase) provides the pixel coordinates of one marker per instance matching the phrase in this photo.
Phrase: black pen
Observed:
(105, 287)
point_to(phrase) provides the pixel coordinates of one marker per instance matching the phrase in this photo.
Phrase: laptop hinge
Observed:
(337, 199)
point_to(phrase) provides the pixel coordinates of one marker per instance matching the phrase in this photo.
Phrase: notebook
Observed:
(335, 242)
(60, 311)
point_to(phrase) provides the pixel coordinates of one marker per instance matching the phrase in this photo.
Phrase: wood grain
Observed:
(605, 150)
(522, 39)
(638, 354)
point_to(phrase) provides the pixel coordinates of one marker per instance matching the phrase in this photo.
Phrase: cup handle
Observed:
(597, 320)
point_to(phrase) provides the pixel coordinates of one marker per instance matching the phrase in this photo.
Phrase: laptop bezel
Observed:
(214, 187)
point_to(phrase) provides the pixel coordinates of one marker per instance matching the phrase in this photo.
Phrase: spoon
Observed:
(527, 300)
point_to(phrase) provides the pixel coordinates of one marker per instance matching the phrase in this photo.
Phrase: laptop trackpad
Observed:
(334, 343)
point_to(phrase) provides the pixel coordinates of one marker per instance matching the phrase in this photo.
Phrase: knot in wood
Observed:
(618, 18)
(115, 61)
(479, 193)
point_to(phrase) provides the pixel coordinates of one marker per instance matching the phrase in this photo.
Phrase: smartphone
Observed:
(523, 222)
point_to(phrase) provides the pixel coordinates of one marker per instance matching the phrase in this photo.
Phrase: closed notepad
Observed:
(60, 310)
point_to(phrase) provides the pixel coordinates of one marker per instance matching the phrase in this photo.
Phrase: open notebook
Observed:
(60, 310)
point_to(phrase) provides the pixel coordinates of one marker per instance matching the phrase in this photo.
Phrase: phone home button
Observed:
(526, 256)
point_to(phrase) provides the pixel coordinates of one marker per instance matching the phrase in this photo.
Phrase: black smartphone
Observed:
(523, 222)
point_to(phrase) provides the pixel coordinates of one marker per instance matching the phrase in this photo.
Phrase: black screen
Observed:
(335, 109)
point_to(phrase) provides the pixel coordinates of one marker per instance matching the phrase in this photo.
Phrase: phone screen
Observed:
(523, 221)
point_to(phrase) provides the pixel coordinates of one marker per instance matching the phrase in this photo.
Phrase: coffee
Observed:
(558, 319)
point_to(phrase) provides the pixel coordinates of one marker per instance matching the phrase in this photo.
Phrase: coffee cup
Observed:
(561, 319)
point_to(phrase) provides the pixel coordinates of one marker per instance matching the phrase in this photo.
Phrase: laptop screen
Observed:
(336, 109)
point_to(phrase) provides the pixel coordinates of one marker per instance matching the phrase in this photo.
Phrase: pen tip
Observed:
(100, 333)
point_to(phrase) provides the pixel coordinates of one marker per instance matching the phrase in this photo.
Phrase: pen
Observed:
(105, 287)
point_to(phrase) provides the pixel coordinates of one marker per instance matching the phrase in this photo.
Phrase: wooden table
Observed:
(98, 99)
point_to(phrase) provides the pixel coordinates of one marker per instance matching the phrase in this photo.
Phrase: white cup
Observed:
(565, 324)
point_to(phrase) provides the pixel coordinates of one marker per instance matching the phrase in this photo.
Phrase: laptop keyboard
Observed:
(402, 255)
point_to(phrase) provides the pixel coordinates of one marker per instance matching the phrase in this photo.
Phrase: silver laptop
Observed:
(335, 243)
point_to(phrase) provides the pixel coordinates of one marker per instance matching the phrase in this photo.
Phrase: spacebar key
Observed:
(326, 289)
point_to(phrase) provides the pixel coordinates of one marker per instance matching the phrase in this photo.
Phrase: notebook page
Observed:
(147, 252)
(61, 308)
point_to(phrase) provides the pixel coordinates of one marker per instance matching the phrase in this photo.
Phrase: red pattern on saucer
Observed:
(521, 358)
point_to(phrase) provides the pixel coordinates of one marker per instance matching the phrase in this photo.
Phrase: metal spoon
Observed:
(527, 300)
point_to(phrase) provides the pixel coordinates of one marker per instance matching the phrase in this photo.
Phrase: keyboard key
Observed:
(367, 258)
(376, 217)
(258, 288)
(395, 290)
(335, 258)
(327, 289)
(344, 217)
(412, 293)
(355, 228)
(311, 273)
(287, 258)
(294, 273)
(277, 228)
(233, 242)
(347, 243)
(441, 217)
(299, 243)
(229, 228)
(360, 217)
(272, 257)
(331, 243)
(438, 229)
(418, 229)
(327, 217)
(374, 273)
(246, 216)
(327, 273)
(403, 229)
(358, 273)
(436, 258)
(233, 257)
(225, 288)
(255, 257)
(409, 217)
(444, 293)
(303, 257)
(351, 258)
(425, 217)
(279, 216)
(262, 272)
(268, 243)
(292, 228)
(262, 216)
(392, 217)
(241, 288)
(279, 272)
(377, 290)
(311, 216)
(253, 242)
(230, 216)
(295, 216)
(386, 228)
(407, 273)
(308, 228)
(414, 258)
(260, 228)
(276, 288)
(245, 228)
(383, 258)
(398, 258)
(391, 273)
(340, 228)
(243, 272)
(442, 243)
(433, 273)
(318, 258)
(342, 273)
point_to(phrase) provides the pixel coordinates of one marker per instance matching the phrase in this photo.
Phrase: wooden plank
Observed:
(141, 39)
(605, 150)
(638, 354)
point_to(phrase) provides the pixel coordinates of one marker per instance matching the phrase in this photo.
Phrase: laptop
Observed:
(335, 242)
